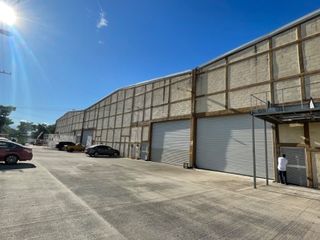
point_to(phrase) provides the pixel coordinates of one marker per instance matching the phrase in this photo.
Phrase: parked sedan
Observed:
(62, 145)
(11, 152)
(102, 150)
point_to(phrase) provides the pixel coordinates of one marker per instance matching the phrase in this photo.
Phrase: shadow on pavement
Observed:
(5, 167)
(104, 156)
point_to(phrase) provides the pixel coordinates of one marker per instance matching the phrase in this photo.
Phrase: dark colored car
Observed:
(75, 148)
(11, 152)
(101, 150)
(62, 145)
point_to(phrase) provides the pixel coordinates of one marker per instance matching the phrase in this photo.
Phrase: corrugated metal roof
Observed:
(141, 83)
(159, 78)
(72, 111)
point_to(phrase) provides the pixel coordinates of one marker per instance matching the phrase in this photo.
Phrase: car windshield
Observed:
(18, 144)
(4, 142)
(97, 145)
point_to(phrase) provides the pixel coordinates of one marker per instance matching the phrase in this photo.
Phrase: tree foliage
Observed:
(40, 129)
(23, 131)
(29, 130)
(5, 121)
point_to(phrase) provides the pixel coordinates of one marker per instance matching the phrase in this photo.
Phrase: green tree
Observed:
(24, 130)
(51, 128)
(10, 131)
(40, 129)
(5, 121)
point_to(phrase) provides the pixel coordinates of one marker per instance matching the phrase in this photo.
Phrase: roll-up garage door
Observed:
(225, 144)
(170, 142)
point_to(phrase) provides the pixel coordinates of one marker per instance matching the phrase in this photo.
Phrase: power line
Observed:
(44, 108)
(41, 108)
(14, 2)
(4, 72)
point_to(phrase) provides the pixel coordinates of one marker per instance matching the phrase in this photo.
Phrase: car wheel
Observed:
(116, 154)
(11, 159)
(70, 150)
(96, 154)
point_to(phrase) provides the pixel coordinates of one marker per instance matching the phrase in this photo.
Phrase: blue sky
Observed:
(67, 54)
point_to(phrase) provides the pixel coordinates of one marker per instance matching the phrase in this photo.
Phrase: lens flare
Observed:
(7, 14)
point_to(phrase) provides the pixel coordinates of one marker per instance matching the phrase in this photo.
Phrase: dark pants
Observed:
(283, 177)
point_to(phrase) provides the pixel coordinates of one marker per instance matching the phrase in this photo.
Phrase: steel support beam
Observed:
(254, 154)
(266, 151)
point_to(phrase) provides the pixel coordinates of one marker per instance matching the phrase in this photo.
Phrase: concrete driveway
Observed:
(62, 195)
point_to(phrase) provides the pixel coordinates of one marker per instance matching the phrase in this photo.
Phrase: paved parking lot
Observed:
(63, 195)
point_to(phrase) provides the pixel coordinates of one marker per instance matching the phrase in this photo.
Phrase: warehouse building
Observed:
(71, 124)
(202, 117)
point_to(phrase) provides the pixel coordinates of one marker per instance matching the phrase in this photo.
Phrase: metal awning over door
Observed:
(287, 114)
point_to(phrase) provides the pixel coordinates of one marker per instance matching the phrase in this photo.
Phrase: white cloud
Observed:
(102, 22)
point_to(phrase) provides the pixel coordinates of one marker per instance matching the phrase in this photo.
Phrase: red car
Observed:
(11, 152)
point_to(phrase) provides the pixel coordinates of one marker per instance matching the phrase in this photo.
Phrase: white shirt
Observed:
(282, 164)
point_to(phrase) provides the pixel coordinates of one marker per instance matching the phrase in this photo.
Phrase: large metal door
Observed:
(87, 137)
(225, 144)
(78, 136)
(170, 142)
(144, 151)
(296, 168)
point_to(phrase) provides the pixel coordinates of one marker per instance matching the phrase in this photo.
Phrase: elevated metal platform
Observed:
(297, 113)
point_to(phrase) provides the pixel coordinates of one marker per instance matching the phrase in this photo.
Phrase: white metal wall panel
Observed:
(225, 144)
(170, 142)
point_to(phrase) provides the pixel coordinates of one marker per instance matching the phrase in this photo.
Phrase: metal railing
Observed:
(285, 96)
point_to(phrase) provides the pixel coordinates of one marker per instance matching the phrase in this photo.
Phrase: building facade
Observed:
(71, 123)
(202, 117)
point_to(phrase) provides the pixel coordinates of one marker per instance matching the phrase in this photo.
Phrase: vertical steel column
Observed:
(82, 128)
(266, 151)
(254, 153)
(193, 128)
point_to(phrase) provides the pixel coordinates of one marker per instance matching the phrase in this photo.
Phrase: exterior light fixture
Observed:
(311, 103)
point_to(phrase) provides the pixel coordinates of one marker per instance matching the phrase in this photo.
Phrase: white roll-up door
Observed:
(225, 144)
(170, 142)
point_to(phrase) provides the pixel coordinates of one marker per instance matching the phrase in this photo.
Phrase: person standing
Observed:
(282, 168)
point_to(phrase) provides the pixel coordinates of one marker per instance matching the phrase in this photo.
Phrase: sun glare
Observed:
(7, 14)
